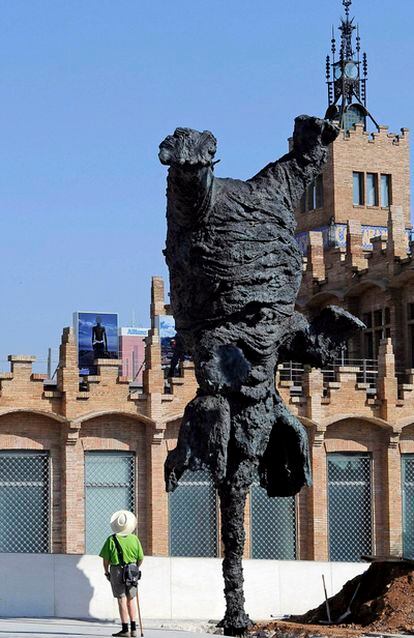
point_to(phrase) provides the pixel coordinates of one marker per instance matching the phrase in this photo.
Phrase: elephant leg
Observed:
(202, 440)
(232, 504)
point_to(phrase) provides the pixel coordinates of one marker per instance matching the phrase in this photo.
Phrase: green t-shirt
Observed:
(131, 549)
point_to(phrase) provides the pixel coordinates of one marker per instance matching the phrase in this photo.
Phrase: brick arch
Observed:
(49, 415)
(356, 434)
(30, 429)
(38, 431)
(323, 299)
(407, 436)
(359, 288)
(104, 413)
(372, 420)
(113, 431)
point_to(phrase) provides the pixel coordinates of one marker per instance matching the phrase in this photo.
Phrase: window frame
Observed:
(358, 175)
(389, 189)
(374, 189)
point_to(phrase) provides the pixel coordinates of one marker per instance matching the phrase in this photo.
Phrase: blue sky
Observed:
(88, 89)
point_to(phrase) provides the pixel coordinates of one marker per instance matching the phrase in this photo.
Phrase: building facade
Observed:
(71, 453)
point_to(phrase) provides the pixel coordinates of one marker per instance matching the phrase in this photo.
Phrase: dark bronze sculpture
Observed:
(235, 271)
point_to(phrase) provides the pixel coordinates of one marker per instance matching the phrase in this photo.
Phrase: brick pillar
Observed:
(355, 342)
(394, 299)
(157, 299)
(108, 370)
(313, 390)
(354, 251)
(387, 384)
(68, 373)
(397, 244)
(319, 499)
(157, 501)
(73, 492)
(153, 376)
(393, 490)
(316, 259)
(21, 365)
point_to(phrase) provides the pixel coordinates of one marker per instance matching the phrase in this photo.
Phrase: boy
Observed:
(123, 524)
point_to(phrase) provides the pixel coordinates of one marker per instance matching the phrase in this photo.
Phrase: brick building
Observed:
(71, 454)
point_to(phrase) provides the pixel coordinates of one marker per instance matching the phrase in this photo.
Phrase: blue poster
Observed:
(97, 338)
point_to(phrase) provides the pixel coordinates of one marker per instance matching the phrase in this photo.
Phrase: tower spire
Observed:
(347, 77)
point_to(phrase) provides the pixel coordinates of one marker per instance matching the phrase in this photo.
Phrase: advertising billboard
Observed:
(97, 338)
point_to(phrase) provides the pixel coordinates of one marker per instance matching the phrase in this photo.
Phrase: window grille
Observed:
(349, 506)
(273, 525)
(109, 487)
(193, 516)
(407, 463)
(24, 502)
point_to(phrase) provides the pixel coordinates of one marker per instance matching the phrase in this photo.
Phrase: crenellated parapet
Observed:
(338, 271)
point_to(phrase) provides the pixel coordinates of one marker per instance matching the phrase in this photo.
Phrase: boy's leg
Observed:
(132, 608)
(123, 609)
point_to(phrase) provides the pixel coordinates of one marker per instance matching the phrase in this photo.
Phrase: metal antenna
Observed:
(333, 44)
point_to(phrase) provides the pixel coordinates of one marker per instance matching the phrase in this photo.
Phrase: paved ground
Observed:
(58, 628)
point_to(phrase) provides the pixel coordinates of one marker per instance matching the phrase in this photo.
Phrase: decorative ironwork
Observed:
(346, 77)
(24, 502)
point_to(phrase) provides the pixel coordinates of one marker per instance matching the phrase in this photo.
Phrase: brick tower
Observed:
(361, 199)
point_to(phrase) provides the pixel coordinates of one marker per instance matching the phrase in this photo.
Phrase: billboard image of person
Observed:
(97, 338)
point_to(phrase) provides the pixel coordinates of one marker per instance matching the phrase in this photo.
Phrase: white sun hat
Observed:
(123, 522)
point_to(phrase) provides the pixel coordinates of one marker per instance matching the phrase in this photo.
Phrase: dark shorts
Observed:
(118, 586)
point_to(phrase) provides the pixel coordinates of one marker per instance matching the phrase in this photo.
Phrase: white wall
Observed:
(68, 586)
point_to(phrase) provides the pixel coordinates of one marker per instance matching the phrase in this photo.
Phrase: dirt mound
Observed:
(382, 601)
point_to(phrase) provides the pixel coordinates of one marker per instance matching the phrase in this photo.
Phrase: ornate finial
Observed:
(347, 4)
(358, 40)
(346, 75)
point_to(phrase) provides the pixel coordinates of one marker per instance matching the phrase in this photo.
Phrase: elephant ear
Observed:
(285, 466)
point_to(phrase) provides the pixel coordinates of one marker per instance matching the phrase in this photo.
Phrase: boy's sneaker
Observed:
(122, 633)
